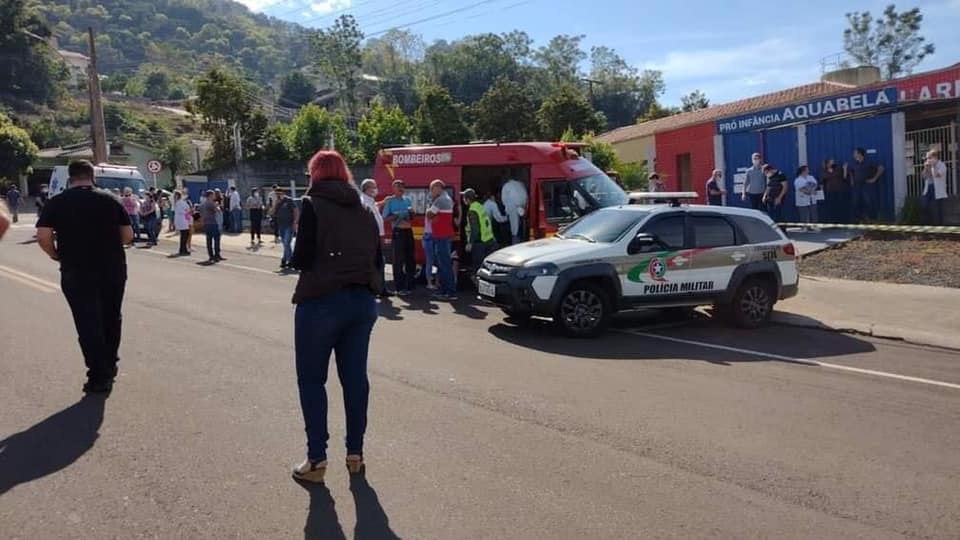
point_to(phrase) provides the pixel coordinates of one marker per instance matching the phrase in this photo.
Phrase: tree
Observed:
(339, 57)
(157, 85)
(561, 58)
(381, 126)
(438, 118)
(176, 157)
(221, 103)
(312, 129)
(296, 90)
(28, 70)
(396, 57)
(17, 151)
(893, 42)
(658, 111)
(694, 101)
(602, 154)
(275, 144)
(621, 92)
(506, 112)
(469, 67)
(566, 109)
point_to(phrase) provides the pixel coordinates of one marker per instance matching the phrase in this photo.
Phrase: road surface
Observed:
(478, 428)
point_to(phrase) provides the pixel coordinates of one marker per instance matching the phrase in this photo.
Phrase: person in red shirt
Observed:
(440, 214)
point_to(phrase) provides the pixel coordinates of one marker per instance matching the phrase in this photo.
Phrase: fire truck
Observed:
(560, 183)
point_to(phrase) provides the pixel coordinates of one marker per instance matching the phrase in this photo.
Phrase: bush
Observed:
(633, 175)
(912, 212)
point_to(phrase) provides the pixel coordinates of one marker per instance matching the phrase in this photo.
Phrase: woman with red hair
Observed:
(336, 254)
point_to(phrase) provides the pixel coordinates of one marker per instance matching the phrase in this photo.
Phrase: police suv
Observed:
(646, 256)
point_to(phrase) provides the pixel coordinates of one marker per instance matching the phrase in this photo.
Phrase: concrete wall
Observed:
(639, 150)
(267, 173)
(698, 141)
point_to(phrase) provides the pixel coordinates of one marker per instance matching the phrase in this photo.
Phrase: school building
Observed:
(896, 121)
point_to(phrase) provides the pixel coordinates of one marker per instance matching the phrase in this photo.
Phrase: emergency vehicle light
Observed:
(663, 195)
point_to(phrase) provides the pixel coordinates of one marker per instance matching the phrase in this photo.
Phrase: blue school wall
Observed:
(196, 189)
(778, 146)
(831, 139)
(837, 140)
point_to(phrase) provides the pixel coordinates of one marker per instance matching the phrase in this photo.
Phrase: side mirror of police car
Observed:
(640, 243)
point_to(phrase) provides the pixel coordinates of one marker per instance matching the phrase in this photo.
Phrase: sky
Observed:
(729, 49)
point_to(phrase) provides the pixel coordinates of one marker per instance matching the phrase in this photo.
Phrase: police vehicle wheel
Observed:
(752, 305)
(584, 311)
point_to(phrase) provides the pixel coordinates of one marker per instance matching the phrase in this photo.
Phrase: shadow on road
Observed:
(620, 344)
(322, 521)
(372, 520)
(51, 445)
(324, 524)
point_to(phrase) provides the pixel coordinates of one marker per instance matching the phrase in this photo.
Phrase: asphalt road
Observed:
(478, 428)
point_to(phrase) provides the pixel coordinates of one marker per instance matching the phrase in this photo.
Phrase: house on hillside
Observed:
(327, 95)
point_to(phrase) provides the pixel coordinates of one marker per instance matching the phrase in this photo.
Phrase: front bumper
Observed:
(517, 295)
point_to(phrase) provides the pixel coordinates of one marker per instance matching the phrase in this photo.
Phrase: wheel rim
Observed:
(755, 304)
(581, 310)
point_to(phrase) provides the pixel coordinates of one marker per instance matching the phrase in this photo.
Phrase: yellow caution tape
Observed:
(930, 229)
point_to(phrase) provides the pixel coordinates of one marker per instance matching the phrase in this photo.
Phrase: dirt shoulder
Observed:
(893, 258)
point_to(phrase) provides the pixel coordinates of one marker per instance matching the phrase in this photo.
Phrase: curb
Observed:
(916, 337)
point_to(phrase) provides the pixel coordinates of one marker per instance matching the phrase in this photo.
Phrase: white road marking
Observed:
(228, 265)
(28, 280)
(874, 373)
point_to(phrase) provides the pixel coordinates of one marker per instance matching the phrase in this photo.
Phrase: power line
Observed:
(433, 18)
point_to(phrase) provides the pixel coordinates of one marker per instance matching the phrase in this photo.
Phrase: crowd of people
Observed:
(848, 193)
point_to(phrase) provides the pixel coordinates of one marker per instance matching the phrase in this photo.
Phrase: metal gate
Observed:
(918, 143)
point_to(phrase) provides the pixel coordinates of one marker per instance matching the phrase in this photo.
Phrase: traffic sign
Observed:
(154, 166)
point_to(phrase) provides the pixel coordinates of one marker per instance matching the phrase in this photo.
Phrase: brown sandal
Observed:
(309, 471)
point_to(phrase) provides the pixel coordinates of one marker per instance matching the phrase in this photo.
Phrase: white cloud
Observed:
(728, 74)
(258, 5)
(323, 7)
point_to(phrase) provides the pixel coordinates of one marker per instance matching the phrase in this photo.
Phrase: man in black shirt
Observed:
(85, 229)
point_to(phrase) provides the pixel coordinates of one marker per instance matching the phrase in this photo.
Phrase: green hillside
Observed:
(187, 36)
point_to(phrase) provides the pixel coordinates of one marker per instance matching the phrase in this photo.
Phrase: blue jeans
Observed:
(865, 200)
(212, 231)
(775, 211)
(341, 323)
(428, 256)
(150, 224)
(135, 222)
(443, 257)
(286, 235)
(236, 220)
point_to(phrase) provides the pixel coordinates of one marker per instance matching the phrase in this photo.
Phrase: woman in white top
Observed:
(805, 187)
(182, 218)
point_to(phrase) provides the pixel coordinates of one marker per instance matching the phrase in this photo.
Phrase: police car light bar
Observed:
(663, 195)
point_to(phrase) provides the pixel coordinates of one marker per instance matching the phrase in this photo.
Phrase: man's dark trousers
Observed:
(95, 300)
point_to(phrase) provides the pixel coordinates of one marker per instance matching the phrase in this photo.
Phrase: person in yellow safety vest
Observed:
(480, 238)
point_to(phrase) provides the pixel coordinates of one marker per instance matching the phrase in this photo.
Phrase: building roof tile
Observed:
(710, 114)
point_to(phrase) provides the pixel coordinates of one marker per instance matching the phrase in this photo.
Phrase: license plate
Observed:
(486, 289)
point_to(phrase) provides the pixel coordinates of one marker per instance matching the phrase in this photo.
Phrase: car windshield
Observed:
(598, 191)
(112, 183)
(603, 226)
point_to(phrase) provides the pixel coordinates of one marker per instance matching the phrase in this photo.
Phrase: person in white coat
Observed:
(935, 187)
(805, 195)
(182, 218)
(498, 219)
(514, 196)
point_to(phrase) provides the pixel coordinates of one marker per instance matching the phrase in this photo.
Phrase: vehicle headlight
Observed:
(537, 271)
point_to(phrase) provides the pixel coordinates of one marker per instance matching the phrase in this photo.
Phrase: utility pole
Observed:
(591, 82)
(98, 131)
